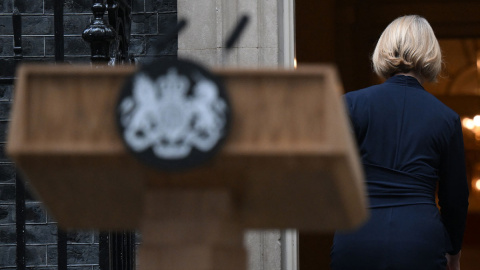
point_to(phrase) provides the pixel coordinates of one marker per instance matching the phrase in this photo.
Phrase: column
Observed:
(266, 42)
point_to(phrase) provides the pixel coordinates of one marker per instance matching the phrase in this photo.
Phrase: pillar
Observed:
(266, 42)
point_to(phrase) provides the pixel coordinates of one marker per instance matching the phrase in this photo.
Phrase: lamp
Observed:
(472, 124)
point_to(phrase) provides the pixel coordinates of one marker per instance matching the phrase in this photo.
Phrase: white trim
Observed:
(286, 37)
(286, 42)
(289, 250)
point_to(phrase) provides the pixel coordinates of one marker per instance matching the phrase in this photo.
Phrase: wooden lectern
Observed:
(289, 162)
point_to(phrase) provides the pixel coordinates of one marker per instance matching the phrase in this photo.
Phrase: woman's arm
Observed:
(453, 189)
(453, 261)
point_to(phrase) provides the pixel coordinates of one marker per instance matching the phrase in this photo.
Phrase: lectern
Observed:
(289, 162)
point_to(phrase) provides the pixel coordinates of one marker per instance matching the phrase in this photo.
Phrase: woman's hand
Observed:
(453, 261)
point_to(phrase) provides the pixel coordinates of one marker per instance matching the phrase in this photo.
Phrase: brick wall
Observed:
(149, 21)
(7, 214)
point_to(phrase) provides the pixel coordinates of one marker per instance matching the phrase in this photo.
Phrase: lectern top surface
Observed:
(289, 158)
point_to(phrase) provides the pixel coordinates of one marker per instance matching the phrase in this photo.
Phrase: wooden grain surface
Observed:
(290, 159)
(191, 229)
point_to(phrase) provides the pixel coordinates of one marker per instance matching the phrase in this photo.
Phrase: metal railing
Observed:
(109, 40)
(116, 249)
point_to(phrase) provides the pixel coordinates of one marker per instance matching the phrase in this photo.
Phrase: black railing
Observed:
(109, 44)
(19, 186)
(17, 36)
(119, 17)
(116, 249)
(99, 34)
(59, 58)
(109, 40)
(20, 221)
(17, 44)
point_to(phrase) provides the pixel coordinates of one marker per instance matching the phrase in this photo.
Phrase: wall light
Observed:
(476, 184)
(472, 124)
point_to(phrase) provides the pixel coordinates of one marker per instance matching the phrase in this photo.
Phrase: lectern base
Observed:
(191, 229)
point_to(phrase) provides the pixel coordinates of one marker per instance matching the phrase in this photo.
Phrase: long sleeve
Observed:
(453, 189)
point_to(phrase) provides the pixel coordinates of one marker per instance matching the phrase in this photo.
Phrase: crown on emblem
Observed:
(173, 84)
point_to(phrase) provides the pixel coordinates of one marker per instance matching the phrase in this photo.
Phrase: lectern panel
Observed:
(289, 161)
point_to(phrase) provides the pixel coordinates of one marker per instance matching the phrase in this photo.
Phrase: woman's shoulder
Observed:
(364, 92)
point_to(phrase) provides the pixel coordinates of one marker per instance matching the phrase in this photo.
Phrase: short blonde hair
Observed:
(408, 44)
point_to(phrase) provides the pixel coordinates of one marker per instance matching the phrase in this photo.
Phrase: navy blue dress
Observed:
(408, 141)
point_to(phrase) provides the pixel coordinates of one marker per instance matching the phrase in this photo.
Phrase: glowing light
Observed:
(477, 184)
(478, 61)
(295, 63)
(476, 120)
(468, 123)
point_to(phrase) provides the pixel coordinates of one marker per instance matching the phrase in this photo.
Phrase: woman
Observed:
(409, 141)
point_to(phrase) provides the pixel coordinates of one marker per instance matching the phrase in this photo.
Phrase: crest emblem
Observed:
(173, 115)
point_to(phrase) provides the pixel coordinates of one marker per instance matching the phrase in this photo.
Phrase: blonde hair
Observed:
(408, 44)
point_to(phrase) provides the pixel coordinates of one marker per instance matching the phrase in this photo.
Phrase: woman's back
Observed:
(409, 141)
(400, 126)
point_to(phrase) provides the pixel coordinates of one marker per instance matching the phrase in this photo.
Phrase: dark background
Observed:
(344, 33)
